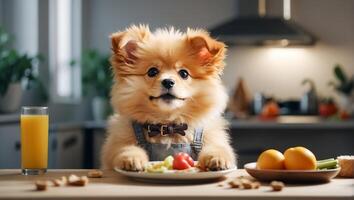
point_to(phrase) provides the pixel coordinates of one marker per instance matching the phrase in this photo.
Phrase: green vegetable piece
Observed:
(327, 164)
(326, 160)
(340, 74)
(168, 162)
(161, 169)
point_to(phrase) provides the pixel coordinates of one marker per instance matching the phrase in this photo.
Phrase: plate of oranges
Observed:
(297, 164)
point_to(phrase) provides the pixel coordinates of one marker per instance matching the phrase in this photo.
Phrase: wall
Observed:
(280, 72)
(1, 11)
(103, 17)
(274, 71)
(20, 19)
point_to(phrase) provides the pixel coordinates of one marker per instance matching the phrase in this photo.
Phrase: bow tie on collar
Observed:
(165, 129)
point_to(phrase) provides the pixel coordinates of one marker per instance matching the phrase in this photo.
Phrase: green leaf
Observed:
(15, 66)
(340, 74)
(96, 73)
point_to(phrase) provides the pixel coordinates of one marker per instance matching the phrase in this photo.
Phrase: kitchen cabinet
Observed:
(250, 137)
(78, 145)
(99, 138)
(10, 147)
(65, 147)
(69, 146)
(325, 139)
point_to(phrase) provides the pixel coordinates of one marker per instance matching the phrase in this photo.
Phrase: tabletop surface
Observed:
(13, 185)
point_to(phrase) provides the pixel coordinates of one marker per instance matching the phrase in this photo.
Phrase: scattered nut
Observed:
(56, 182)
(235, 183)
(256, 185)
(277, 185)
(60, 182)
(41, 185)
(95, 174)
(246, 184)
(72, 180)
(77, 181)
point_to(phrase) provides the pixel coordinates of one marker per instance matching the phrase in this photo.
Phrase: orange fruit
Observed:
(271, 109)
(299, 158)
(270, 159)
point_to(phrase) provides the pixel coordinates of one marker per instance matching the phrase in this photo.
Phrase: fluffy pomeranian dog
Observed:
(161, 78)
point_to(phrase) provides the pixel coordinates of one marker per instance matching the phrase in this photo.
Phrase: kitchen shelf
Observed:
(291, 122)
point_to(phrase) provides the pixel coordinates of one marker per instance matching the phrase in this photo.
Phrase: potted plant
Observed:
(345, 88)
(15, 69)
(97, 81)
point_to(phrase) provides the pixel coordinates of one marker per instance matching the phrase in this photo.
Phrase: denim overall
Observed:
(158, 152)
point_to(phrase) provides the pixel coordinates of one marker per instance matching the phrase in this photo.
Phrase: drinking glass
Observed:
(34, 140)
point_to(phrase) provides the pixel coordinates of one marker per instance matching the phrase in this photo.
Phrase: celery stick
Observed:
(327, 164)
(326, 160)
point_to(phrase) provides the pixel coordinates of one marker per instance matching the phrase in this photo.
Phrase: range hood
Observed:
(256, 28)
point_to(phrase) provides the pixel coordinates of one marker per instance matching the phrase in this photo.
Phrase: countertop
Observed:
(281, 122)
(292, 122)
(112, 185)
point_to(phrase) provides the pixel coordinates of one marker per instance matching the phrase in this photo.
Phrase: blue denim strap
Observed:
(198, 140)
(139, 134)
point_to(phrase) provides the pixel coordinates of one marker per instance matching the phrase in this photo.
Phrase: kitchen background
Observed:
(72, 39)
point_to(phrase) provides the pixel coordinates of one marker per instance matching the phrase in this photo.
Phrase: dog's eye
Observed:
(183, 73)
(153, 71)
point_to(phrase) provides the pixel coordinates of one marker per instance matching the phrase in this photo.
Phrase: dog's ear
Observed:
(124, 51)
(126, 43)
(208, 51)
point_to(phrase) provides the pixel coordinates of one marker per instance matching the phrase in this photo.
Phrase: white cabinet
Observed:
(69, 152)
(323, 142)
(99, 138)
(65, 147)
(10, 147)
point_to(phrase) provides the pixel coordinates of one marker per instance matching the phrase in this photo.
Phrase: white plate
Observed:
(175, 175)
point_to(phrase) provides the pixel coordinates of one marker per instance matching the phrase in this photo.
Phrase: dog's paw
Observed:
(131, 162)
(215, 162)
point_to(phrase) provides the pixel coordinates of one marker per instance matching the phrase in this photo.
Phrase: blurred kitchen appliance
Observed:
(290, 107)
(309, 101)
(240, 102)
(258, 102)
(253, 27)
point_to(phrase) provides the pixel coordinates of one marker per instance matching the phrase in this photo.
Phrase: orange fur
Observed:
(134, 51)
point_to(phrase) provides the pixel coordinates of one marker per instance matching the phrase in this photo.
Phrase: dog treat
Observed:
(277, 185)
(95, 174)
(41, 185)
(256, 185)
(246, 184)
(346, 164)
(74, 180)
(235, 183)
(60, 182)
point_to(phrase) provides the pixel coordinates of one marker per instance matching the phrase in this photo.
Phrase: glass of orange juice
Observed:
(34, 140)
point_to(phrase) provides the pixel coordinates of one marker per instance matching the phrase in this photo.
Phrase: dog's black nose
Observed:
(167, 83)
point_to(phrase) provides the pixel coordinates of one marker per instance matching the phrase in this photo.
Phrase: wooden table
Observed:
(114, 186)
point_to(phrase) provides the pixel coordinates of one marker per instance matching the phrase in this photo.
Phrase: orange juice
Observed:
(34, 141)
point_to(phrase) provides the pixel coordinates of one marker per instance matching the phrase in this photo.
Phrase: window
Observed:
(65, 46)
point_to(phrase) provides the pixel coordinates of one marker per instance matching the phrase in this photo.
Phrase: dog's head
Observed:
(167, 75)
